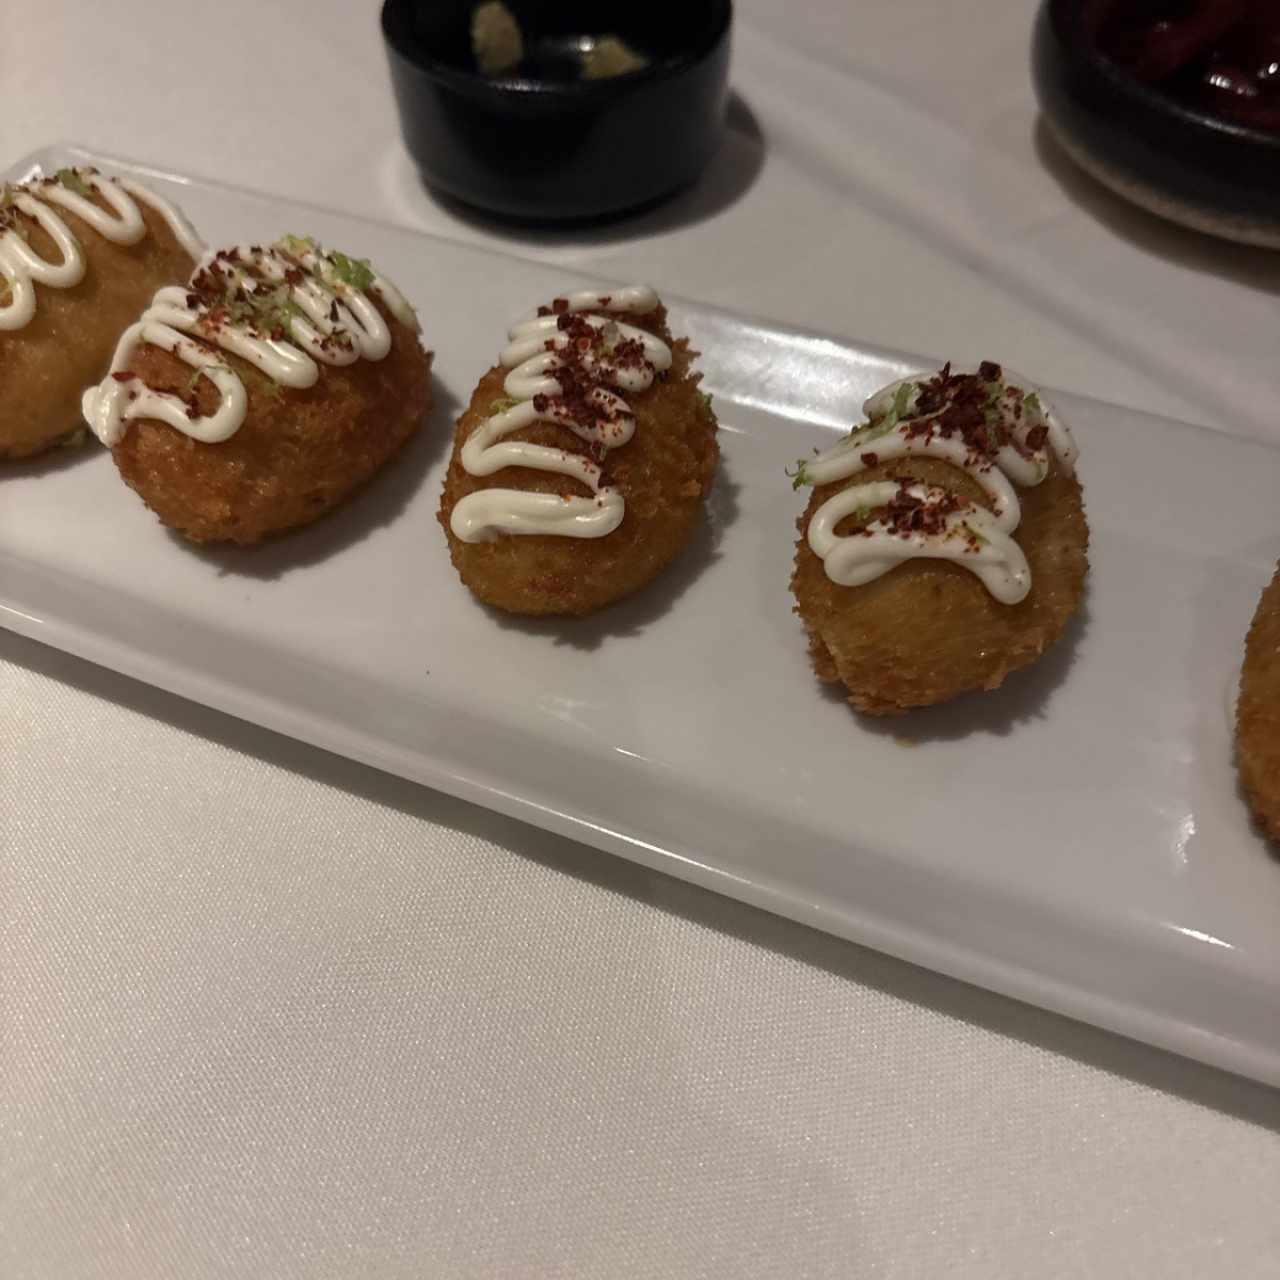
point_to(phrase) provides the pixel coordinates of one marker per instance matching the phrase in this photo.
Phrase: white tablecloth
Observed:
(266, 1013)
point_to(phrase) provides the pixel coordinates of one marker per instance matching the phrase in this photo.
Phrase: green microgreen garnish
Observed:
(800, 476)
(270, 311)
(355, 272)
(975, 535)
(206, 371)
(74, 182)
(9, 210)
(299, 246)
(705, 398)
(276, 307)
(882, 426)
(874, 430)
(991, 410)
(501, 405)
(901, 398)
(1032, 404)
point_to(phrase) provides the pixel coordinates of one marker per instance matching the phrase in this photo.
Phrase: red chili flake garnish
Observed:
(955, 405)
(869, 459)
(1036, 438)
(605, 299)
(931, 395)
(587, 372)
(907, 514)
(629, 354)
(124, 375)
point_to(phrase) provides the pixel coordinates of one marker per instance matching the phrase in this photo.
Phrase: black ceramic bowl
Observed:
(559, 149)
(1173, 160)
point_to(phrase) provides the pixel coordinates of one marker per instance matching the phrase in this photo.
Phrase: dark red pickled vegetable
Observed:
(1222, 56)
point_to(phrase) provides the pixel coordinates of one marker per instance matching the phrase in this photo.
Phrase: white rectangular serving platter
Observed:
(1076, 839)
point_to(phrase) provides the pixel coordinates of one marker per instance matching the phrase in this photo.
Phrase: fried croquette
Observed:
(80, 256)
(956, 573)
(234, 445)
(617, 484)
(1258, 712)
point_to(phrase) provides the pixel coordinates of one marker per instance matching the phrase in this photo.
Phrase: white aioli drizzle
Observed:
(977, 538)
(335, 324)
(483, 515)
(23, 268)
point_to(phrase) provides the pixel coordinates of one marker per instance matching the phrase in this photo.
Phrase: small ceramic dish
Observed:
(1175, 160)
(541, 142)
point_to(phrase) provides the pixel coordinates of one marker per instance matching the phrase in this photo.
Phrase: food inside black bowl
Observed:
(500, 47)
(558, 111)
(1173, 104)
(1221, 56)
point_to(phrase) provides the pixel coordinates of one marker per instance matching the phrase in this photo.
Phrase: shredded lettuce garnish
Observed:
(353, 271)
(74, 182)
(975, 535)
(1032, 404)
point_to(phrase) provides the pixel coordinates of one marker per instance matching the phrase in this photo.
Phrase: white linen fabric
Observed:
(266, 1013)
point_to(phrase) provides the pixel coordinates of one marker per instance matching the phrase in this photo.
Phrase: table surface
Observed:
(269, 1013)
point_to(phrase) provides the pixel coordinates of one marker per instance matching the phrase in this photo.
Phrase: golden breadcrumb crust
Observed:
(664, 473)
(298, 454)
(1258, 712)
(929, 630)
(46, 365)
